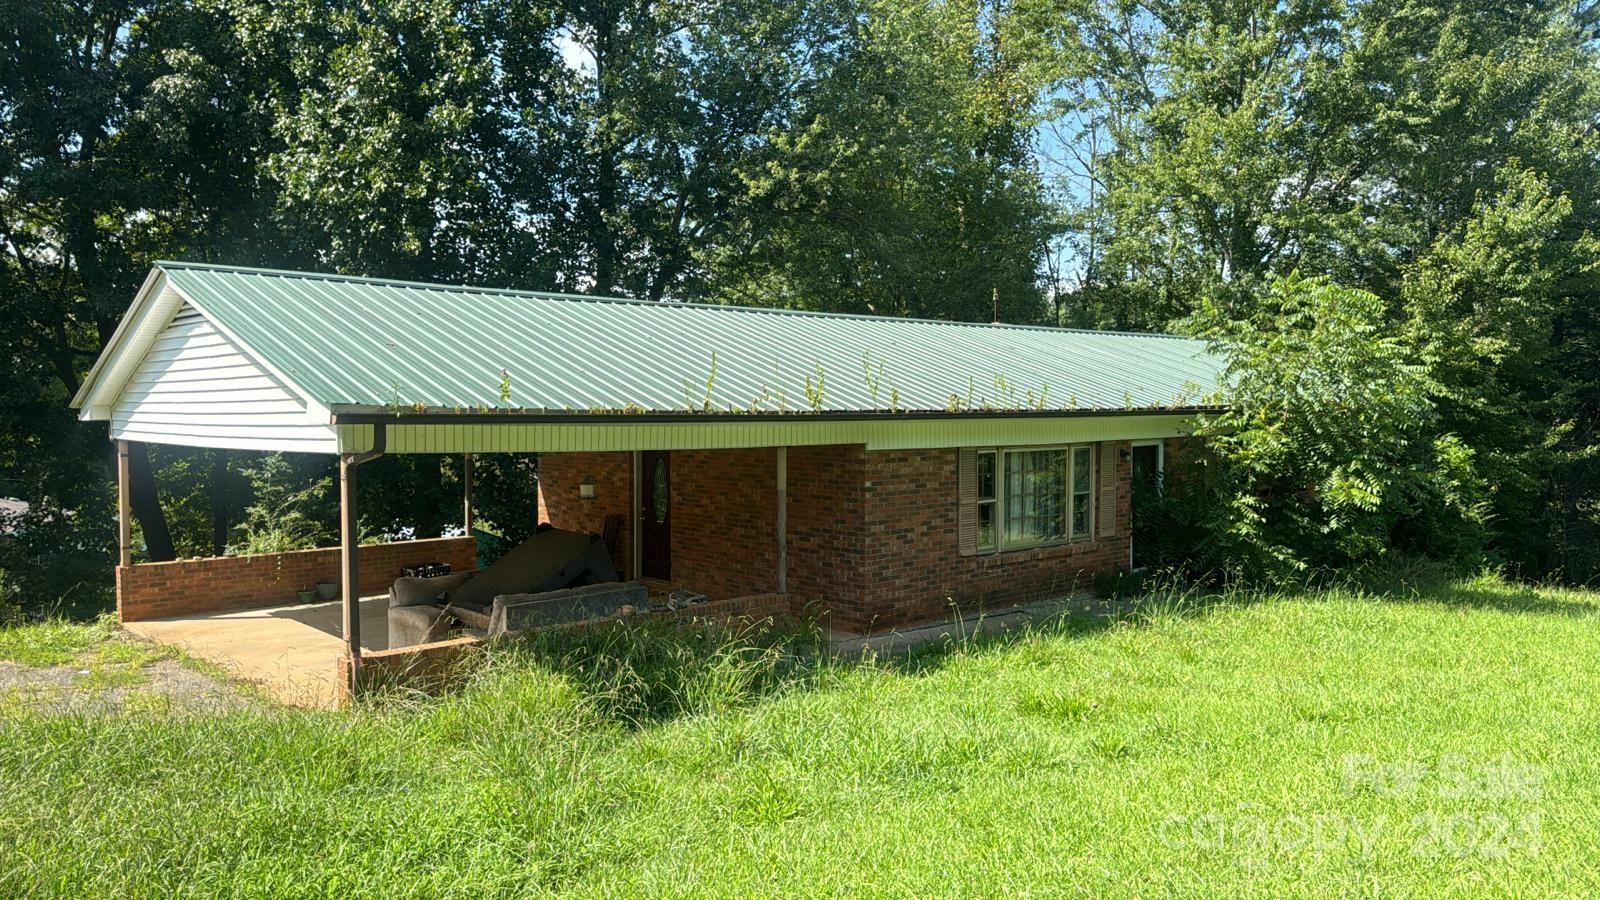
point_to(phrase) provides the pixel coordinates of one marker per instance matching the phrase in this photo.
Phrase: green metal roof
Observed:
(354, 344)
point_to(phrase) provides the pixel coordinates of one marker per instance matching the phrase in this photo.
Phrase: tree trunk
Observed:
(605, 247)
(146, 505)
(221, 489)
(427, 512)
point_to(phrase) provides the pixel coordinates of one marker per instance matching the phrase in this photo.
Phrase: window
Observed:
(1034, 492)
(1034, 496)
(986, 500)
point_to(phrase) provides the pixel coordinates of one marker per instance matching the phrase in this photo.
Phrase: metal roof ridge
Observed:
(634, 301)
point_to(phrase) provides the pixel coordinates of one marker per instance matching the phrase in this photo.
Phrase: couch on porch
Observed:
(543, 580)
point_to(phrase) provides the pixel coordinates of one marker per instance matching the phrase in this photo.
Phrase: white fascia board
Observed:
(115, 357)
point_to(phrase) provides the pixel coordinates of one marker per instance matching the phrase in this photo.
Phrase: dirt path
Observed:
(75, 689)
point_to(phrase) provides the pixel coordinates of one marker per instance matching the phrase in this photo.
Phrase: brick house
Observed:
(877, 469)
(875, 538)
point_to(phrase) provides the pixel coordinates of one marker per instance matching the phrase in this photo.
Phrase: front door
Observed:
(655, 514)
(1146, 477)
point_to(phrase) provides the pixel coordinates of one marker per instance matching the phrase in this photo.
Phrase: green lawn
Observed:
(1319, 744)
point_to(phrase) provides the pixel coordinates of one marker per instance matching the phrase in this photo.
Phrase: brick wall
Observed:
(725, 521)
(827, 523)
(559, 503)
(915, 572)
(872, 535)
(724, 513)
(188, 586)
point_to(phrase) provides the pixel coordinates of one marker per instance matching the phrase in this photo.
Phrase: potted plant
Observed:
(306, 594)
(327, 590)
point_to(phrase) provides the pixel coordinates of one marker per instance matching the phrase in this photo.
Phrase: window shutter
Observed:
(967, 501)
(1108, 488)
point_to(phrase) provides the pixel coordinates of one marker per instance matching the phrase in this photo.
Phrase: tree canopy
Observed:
(1326, 170)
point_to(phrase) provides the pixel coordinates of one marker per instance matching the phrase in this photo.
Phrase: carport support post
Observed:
(350, 547)
(783, 520)
(466, 493)
(124, 509)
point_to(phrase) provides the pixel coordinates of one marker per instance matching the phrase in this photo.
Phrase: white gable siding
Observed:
(195, 387)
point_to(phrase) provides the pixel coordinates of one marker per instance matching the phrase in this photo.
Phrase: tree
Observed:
(1440, 155)
(1481, 305)
(904, 185)
(89, 97)
(671, 100)
(1329, 450)
(393, 157)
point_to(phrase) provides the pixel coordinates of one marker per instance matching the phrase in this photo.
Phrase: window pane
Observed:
(1082, 490)
(1082, 469)
(985, 476)
(986, 526)
(1035, 496)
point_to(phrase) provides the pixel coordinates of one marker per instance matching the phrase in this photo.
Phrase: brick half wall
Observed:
(220, 583)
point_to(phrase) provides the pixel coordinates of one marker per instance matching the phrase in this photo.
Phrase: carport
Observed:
(253, 359)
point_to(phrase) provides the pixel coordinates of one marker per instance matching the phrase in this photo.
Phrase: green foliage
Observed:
(287, 514)
(1441, 156)
(1482, 306)
(904, 185)
(505, 493)
(1080, 161)
(816, 390)
(649, 149)
(872, 376)
(656, 671)
(52, 642)
(1329, 441)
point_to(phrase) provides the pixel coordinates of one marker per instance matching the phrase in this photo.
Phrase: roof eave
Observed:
(148, 290)
(369, 415)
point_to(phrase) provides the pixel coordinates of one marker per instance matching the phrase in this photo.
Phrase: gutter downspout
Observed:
(349, 548)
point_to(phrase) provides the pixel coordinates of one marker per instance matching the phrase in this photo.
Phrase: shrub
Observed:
(1327, 454)
(286, 515)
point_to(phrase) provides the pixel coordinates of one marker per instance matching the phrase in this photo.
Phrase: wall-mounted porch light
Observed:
(586, 489)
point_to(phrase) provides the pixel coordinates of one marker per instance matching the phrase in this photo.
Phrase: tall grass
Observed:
(688, 760)
(646, 671)
(52, 641)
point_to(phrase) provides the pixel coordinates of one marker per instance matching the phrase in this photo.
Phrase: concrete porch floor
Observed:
(290, 652)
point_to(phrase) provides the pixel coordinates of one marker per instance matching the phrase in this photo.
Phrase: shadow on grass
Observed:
(1507, 598)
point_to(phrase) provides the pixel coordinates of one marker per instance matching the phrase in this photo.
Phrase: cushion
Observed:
(551, 559)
